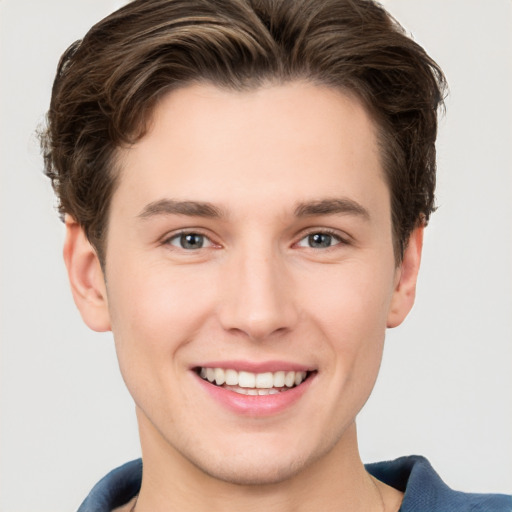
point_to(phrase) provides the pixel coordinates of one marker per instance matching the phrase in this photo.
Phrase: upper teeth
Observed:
(242, 379)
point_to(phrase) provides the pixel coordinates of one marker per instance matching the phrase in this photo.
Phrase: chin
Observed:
(254, 473)
(265, 466)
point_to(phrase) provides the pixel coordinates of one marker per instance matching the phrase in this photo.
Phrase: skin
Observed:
(256, 291)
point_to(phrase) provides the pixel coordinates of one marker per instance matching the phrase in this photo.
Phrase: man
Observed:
(245, 187)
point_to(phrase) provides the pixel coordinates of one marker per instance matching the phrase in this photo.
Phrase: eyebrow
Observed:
(343, 206)
(189, 208)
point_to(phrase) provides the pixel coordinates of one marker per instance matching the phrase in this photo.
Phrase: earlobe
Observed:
(86, 277)
(407, 275)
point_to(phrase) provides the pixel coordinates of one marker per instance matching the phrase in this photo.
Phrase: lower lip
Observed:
(256, 405)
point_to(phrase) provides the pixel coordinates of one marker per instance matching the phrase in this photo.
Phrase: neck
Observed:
(335, 481)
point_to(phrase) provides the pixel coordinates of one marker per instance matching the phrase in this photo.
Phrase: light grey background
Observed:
(445, 385)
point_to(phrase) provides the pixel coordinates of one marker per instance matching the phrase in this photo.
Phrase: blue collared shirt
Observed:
(423, 489)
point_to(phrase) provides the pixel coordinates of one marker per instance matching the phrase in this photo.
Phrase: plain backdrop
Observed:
(445, 385)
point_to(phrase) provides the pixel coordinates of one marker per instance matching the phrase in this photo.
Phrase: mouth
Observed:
(256, 384)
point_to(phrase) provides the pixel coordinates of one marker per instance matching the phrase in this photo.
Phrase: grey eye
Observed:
(319, 240)
(190, 241)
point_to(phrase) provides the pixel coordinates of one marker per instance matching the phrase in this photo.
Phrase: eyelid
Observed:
(343, 238)
(168, 237)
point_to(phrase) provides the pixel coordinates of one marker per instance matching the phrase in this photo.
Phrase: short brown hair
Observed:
(108, 84)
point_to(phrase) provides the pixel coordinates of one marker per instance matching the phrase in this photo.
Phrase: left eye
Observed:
(190, 241)
(319, 240)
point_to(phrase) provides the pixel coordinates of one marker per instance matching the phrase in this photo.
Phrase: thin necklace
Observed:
(379, 493)
(376, 487)
(135, 503)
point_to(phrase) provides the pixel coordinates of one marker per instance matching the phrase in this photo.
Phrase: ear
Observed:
(86, 277)
(405, 281)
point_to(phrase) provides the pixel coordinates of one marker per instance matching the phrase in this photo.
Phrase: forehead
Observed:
(279, 143)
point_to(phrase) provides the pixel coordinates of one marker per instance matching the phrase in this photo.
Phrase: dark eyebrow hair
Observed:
(172, 207)
(331, 207)
(204, 209)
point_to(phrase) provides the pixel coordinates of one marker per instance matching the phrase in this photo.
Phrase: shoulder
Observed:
(424, 490)
(115, 489)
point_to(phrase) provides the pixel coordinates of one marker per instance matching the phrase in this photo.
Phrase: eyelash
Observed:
(180, 235)
(339, 240)
(324, 231)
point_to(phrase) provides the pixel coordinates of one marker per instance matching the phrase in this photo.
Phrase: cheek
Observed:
(154, 312)
(352, 313)
(355, 297)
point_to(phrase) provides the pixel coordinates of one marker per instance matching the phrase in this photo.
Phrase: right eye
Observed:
(189, 241)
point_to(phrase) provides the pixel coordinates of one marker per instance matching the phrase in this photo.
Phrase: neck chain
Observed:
(383, 506)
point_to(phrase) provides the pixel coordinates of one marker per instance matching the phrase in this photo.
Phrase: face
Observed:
(250, 277)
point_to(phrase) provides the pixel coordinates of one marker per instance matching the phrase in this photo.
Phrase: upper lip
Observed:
(257, 367)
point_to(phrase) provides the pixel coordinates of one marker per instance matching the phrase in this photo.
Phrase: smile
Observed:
(248, 383)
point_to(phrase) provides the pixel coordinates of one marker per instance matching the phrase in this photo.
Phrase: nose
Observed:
(257, 295)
